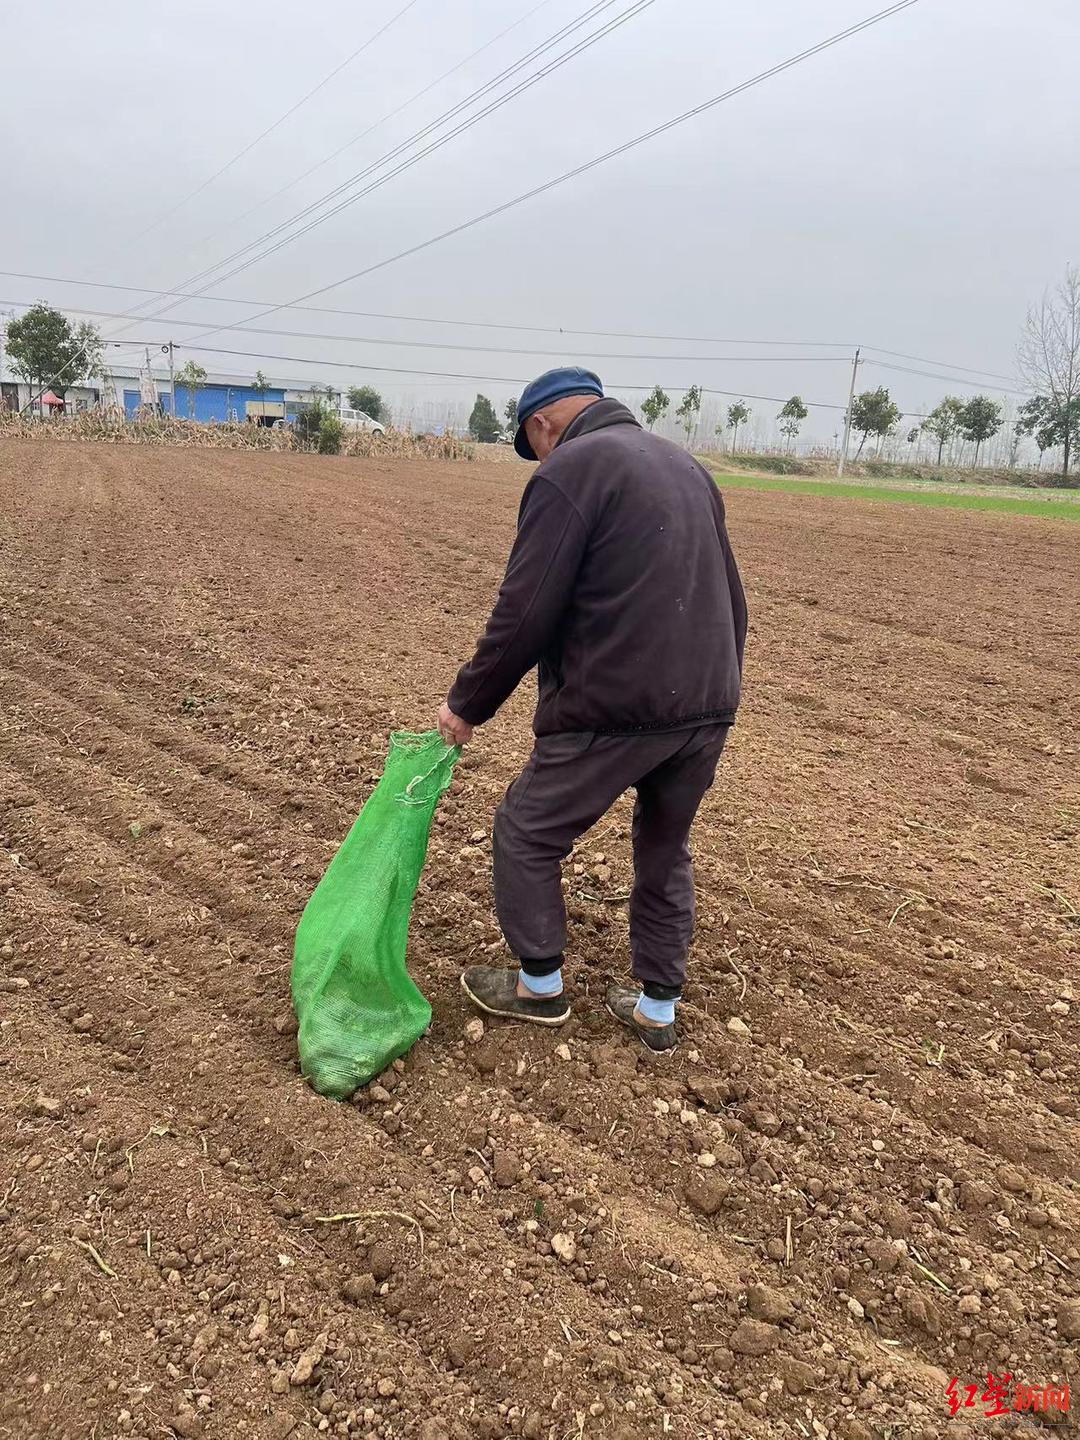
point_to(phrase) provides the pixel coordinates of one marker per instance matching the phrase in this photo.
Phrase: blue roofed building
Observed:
(219, 399)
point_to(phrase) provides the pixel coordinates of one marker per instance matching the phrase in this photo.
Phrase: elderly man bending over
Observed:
(622, 588)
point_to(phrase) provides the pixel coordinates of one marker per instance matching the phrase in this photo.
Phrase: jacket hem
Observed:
(654, 727)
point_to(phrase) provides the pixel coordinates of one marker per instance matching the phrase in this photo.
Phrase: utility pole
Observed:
(147, 389)
(172, 380)
(5, 315)
(847, 417)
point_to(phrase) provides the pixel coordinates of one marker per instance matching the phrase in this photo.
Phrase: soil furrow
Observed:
(856, 1177)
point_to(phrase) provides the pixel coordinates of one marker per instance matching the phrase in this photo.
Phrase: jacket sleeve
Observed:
(735, 585)
(535, 592)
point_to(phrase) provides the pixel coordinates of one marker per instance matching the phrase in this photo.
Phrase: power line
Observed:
(945, 379)
(410, 319)
(458, 375)
(484, 349)
(941, 364)
(245, 375)
(390, 115)
(205, 274)
(279, 121)
(588, 165)
(452, 374)
(772, 399)
(579, 48)
(477, 94)
(536, 329)
(491, 379)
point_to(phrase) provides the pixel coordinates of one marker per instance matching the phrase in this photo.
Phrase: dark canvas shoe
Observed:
(494, 990)
(621, 1001)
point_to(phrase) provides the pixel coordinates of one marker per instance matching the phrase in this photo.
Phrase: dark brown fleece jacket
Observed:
(621, 587)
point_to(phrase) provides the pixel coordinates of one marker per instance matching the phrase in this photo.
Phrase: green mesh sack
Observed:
(357, 1007)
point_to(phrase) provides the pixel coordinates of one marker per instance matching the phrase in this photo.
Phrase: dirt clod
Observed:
(460, 1350)
(797, 1375)
(187, 1425)
(507, 1169)
(1068, 1320)
(713, 1093)
(920, 1312)
(976, 1195)
(359, 1288)
(381, 1261)
(304, 1368)
(706, 1192)
(565, 1247)
(855, 1429)
(754, 1337)
(1011, 1179)
(765, 1303)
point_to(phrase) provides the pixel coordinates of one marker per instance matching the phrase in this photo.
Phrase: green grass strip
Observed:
(1063, 509)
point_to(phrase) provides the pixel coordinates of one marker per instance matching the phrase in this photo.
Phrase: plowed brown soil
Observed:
(800, 1226)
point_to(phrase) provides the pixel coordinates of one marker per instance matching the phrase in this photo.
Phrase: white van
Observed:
(359, 420)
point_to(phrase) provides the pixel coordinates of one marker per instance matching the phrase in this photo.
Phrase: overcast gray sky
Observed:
(913, 188)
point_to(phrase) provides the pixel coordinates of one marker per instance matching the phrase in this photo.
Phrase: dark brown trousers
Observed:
(569, 782)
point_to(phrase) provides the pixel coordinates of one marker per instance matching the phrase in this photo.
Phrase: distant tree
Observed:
(260, 384)
(689, 408)
(873, 413)
(308, 421)
(737, 414)
(330, 433)
(1054, 425)
(193, 377)
(1030, 422)
(943, 422)
(483, 422)
(980, 420)
(655, 406)
(1049, 358)
(47, 353)
(318, 425)
(92, 348)
(791, 416)
(368, 399)
(510, 412)
(1051, 425)
(913, 435)
(1014, 445)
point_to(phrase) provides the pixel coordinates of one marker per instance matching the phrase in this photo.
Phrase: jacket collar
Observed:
(597, 417)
